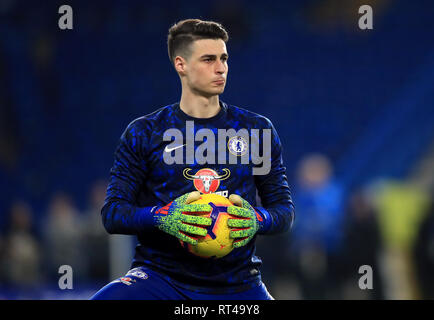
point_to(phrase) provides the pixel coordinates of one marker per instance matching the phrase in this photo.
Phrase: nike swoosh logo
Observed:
(167, 149)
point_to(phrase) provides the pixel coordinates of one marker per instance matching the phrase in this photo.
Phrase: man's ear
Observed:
(180, 65)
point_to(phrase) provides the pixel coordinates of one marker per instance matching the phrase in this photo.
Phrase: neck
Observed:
(198, 106)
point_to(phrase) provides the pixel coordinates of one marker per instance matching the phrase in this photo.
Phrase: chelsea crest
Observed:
(237, 146)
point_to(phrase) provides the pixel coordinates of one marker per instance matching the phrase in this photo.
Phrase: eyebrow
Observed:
(213, 56)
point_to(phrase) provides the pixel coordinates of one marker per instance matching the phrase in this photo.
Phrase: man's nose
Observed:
(220, 67)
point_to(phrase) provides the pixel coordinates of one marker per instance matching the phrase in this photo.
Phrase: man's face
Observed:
(207, 68)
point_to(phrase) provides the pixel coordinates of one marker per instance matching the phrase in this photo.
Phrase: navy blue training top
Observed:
(141, 180)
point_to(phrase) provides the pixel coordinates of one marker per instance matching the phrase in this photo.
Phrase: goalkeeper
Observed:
(153, 200)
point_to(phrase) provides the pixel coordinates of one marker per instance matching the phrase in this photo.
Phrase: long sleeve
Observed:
(278, 212)
(120, 214)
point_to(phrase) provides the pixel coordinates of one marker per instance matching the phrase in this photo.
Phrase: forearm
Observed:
(276, 219)
(120, 217)
(119, 214)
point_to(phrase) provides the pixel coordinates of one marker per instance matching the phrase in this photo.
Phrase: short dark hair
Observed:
(185, 32)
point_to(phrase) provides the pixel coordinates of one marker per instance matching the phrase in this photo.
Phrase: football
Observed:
(216, 243)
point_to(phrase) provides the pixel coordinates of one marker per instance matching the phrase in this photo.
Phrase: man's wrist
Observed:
(146, 217)
(264, 219)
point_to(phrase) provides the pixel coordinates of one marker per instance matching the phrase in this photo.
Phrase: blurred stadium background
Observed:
(354, 110)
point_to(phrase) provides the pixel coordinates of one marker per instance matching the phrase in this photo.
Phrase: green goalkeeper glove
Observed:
(245, 225)
(178, 218)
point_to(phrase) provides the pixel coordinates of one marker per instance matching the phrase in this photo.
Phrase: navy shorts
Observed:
(144, 284)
